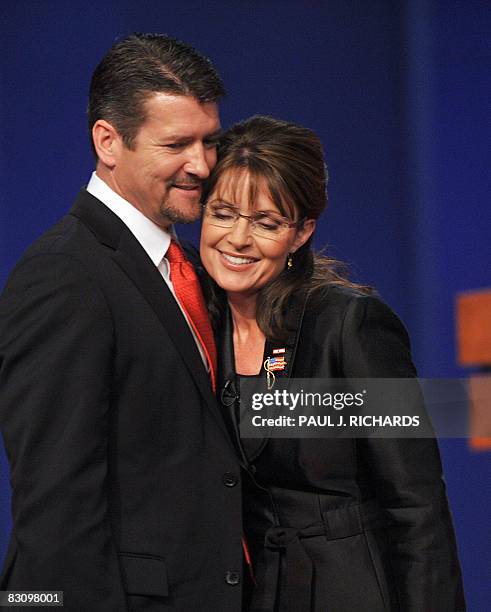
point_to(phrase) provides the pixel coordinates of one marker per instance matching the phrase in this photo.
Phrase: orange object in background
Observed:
(474, 328)
(480, 411)
(474, 349)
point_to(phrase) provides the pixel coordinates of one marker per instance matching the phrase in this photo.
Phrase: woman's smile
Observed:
(237, 262)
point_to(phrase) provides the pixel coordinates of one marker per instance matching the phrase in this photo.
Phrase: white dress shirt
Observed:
(154, 239)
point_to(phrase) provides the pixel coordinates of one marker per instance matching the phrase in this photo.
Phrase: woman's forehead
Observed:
(241, 187)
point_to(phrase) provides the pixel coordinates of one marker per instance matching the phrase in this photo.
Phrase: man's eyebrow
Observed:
(216, 135)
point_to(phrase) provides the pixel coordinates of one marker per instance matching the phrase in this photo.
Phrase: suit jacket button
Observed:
(232, 578)
(229, 479)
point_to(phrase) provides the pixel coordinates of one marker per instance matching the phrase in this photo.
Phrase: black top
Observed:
(344, 525)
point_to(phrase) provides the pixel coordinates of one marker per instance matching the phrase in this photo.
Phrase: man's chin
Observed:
(188, 213)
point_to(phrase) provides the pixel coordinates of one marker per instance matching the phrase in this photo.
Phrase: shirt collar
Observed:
(153, 238)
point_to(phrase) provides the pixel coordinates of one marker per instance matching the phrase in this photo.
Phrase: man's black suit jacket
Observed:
(126, 487)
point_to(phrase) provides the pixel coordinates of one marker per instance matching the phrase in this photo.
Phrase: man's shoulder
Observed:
(71, 236)
(85, 226)
(67, 244)
(63, 237)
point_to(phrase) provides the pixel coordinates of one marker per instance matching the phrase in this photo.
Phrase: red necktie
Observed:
(188, 292)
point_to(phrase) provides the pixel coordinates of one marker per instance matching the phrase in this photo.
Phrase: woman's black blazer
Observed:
(345, 525)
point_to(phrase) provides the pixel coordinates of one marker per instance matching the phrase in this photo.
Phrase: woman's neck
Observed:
(243, 309)
(248, 338)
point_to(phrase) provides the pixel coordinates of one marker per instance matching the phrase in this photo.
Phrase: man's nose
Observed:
(239, 235)
(200, 161)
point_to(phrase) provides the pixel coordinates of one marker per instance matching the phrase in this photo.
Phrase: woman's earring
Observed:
(289, 261)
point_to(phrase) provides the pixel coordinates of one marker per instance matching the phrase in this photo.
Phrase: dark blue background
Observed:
(398, 92)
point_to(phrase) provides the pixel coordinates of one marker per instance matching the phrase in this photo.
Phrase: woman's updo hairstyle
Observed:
(289, 160)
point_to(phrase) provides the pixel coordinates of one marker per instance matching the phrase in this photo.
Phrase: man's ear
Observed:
(106, 141)
(303, 234)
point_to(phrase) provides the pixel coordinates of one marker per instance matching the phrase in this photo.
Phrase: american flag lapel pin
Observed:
(274, 364)
(277, 362)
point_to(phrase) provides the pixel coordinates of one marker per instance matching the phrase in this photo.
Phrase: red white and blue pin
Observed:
(274, 364)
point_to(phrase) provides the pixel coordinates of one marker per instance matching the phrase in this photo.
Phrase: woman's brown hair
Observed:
(289, 159)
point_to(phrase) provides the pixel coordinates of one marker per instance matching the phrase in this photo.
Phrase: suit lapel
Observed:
(228, 392)
(135, 263)
(130, 256)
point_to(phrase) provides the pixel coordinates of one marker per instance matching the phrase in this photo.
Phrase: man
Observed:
(126, 489)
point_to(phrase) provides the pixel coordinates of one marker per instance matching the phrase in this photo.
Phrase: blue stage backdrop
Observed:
(398, 92)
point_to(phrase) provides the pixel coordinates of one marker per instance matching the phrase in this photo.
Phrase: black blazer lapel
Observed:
(293, 323)
(284, 352)
(135, 263)
(251, 448)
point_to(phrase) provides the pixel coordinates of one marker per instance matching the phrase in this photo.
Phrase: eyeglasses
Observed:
(264, 224)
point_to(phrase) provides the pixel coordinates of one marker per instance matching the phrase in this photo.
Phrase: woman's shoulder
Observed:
(334, 303)
(336, 296)
(368, 336)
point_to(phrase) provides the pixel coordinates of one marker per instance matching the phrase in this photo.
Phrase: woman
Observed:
(337, 525)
